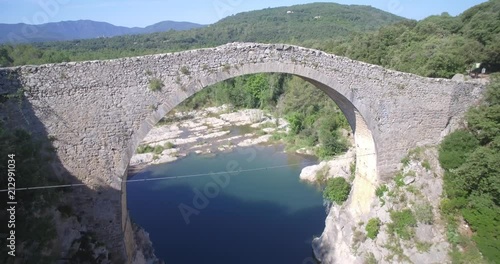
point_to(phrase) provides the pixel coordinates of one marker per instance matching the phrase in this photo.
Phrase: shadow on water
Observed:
(38, 212)
(228, 230)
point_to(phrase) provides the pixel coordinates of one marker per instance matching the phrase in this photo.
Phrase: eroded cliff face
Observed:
(145, 252)
(415, 192)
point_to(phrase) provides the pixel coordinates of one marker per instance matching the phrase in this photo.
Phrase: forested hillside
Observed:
(309, 25)
(438, 46)
(471, 158)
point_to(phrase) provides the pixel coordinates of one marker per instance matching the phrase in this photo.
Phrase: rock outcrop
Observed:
(339, 166)
(345, 240)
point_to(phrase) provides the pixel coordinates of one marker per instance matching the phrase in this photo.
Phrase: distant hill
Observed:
(316, 21)
(81, 29)
(309, 25)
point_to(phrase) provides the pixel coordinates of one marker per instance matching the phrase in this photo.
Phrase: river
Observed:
(253, 209)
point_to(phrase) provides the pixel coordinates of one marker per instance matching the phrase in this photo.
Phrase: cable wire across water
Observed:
(175, 177)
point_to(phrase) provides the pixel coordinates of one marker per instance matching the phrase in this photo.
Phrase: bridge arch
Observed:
(366, 158)
(99, 111)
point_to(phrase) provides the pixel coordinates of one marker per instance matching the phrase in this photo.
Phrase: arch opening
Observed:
(366, 158)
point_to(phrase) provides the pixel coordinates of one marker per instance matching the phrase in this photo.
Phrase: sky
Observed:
(142, 13)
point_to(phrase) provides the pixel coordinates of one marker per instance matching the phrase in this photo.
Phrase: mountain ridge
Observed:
(81, 29)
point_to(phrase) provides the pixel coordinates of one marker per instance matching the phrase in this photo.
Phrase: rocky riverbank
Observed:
(205, 131)
(340, 166)
(406, 226)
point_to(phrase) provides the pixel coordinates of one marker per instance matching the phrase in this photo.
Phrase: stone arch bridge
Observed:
(97, 112)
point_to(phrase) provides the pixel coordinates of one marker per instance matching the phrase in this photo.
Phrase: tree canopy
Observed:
(472, 177)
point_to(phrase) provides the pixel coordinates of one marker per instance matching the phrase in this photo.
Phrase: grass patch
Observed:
(167, 120)
(184, 70)
(423, 246)
(370, 258)
(399, 179)
(405, 161)
(413, 189)
(372, 228)
(426, 165)
(156, 85)
(168, 145)
(394, 246)
(157, 150)
(424, 214)
(402, 223)
(357, 238)
(352, 169)
(381, 190)
(277, 136)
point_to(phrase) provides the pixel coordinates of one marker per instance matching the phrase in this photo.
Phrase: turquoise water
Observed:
(259, 216)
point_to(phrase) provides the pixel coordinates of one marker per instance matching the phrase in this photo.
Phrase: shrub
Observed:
(370, 258)
(144, 149)
(424, 214)
(426, 164)
(156, 85)
(158, 150)
(337, 190)
(372, 227)
(399, 179)
(381, 190)
(423, 246)
(184, 70)
(402, 223)
(169, 145)
(358, 237)
(352, 169)
(455, 148)
(405, 161)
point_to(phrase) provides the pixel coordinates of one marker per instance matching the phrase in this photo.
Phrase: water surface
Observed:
(259, 216)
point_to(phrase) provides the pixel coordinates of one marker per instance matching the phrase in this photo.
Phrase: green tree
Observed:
(5, 59)
(472, 177)
(455, 148)
(337, 190)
